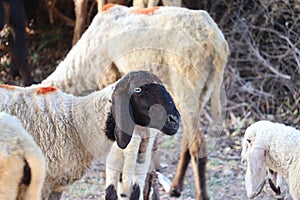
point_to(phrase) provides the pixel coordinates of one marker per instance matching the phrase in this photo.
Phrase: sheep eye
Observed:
(249, 141)
(137, 90)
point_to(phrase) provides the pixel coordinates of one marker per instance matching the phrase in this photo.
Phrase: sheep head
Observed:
(253, 154)
(140, 98)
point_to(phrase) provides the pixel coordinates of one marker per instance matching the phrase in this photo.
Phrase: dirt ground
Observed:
(225, 174)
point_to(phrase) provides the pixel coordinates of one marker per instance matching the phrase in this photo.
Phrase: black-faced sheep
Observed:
(22, 164)
(185, 48)
(72, 131)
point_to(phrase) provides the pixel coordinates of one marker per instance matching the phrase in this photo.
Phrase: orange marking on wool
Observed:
(146, 11)
(9, 87)
(45, 90)
(107, 7)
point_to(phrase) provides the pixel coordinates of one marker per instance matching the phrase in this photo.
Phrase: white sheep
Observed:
(273, 146)
(185, 48)
(72, 131)
(22, 164)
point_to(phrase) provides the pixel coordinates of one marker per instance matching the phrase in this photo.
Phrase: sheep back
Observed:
(188, 41)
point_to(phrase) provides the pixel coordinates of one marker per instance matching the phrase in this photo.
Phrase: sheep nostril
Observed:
(172, 119)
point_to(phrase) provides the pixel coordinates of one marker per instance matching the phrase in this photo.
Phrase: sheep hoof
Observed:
(111, 193)
(135, 193)
(123, 195)
(175, 192)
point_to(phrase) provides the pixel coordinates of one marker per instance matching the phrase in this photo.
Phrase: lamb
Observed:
(274, 146)
(72, 131)
(19, 60)
(189, 55)
(22, 164)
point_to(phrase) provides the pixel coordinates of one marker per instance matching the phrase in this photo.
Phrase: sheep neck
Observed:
(90, 114)
(279, 156)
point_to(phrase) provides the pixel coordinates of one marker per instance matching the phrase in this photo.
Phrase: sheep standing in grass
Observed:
(72, 131)
(273, 146)
(185, 48)
(22, 164)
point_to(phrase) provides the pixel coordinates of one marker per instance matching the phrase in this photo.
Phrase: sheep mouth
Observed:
(171, 125)
(257, 191)
(170, 129)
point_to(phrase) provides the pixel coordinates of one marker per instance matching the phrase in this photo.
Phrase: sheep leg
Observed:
(81, 13)
(114, 164)
(198, 163)
(171, 3)
(112, 178)
(111, 193)
(100, 4)
(177, 183)
(139, 3)
(141, 175)
(152, 3)
(151, 182)
(147, 187)
(135, 193)
(129, 166)
(199, 160)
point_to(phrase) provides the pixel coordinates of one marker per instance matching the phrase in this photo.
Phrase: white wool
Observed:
(280, 144)
(17, 148)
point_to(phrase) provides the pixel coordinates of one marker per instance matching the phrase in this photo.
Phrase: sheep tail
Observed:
(218, 99)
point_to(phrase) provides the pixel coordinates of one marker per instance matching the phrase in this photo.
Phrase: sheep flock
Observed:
(135, 73)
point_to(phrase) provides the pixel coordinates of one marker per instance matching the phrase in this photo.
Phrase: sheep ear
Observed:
(256, 172)
(123, 135)
(122, 113)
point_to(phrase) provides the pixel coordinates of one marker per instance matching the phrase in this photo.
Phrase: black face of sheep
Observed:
(152, 106)
(149, 105)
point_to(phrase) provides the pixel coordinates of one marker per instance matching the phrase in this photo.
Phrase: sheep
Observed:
(184, 48)
(19, 60)
(267, 145)
(22, 164)
(72, 131)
